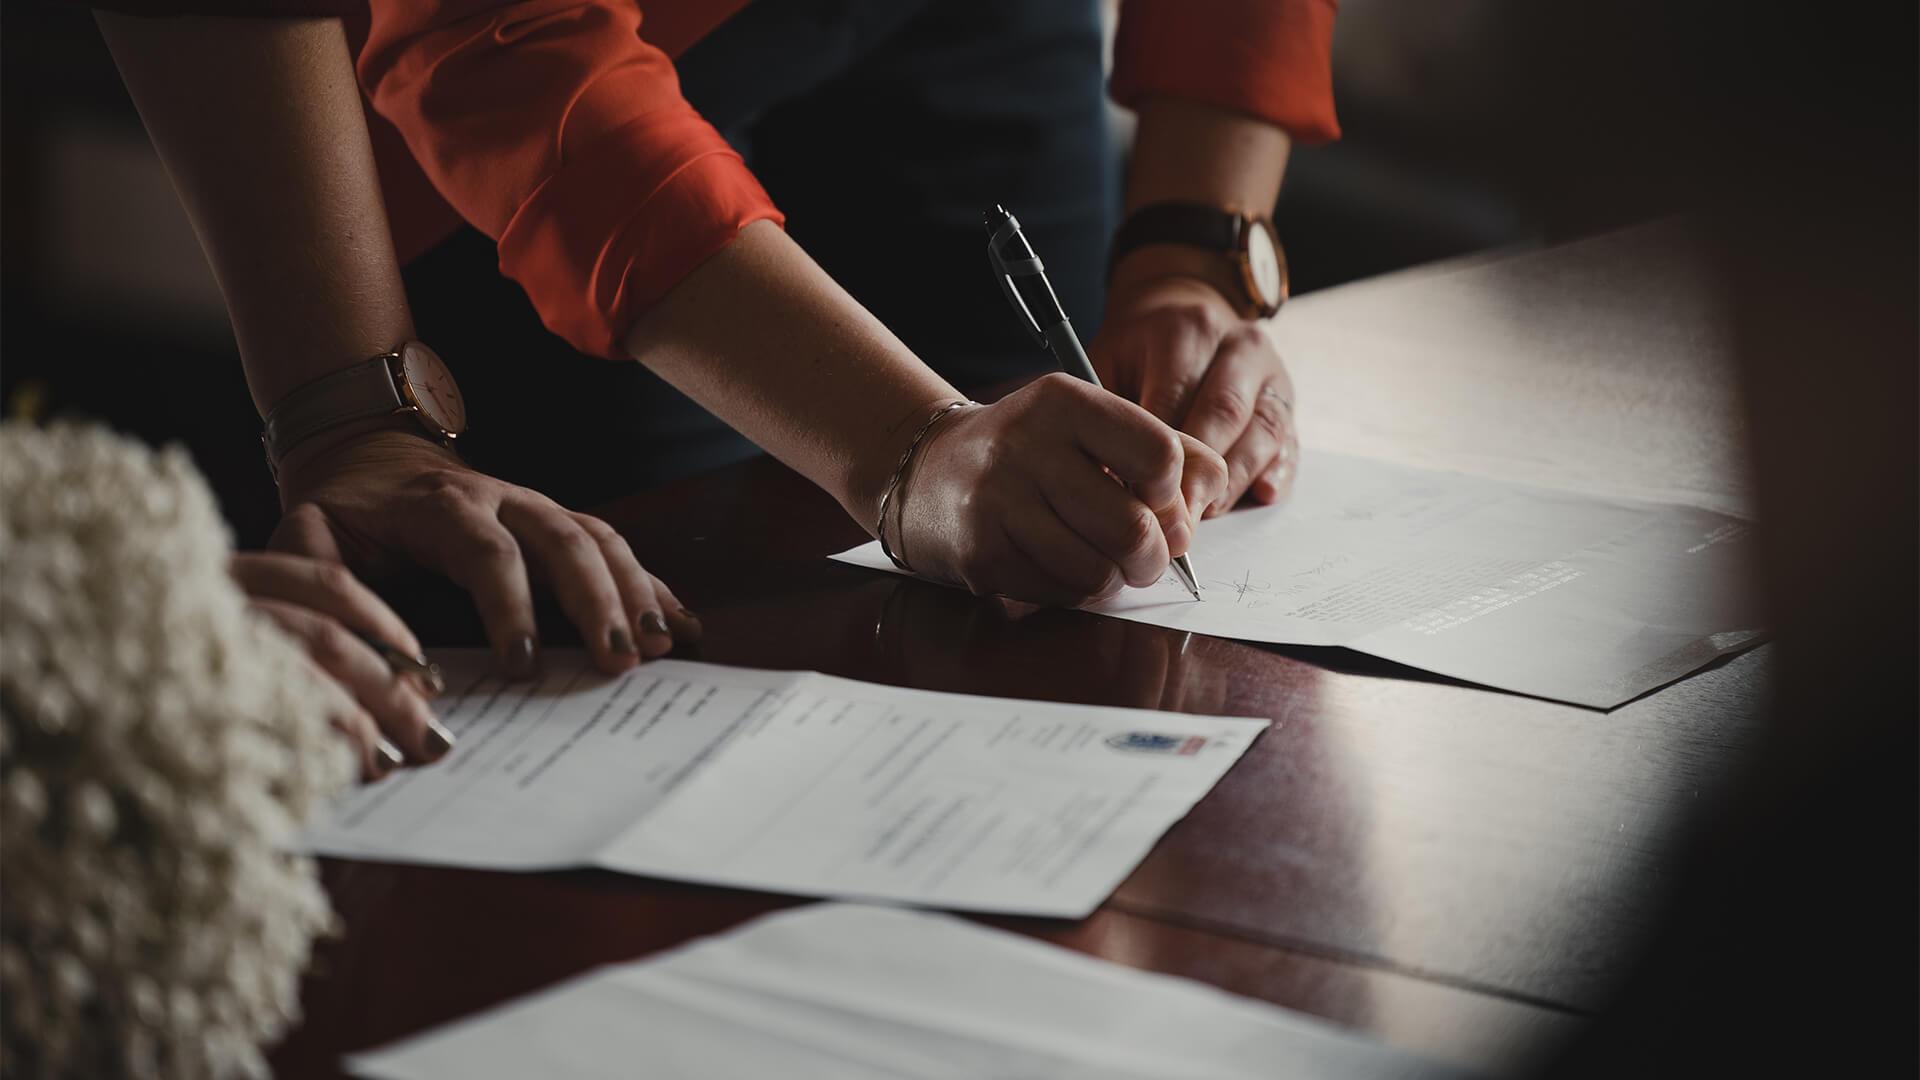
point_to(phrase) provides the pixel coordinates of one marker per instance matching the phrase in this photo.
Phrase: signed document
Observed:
(851, 992)
(791, 782)
(1559, 595)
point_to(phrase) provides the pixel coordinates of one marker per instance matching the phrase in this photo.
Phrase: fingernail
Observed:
(621, 642)
(654, 623)
(431, 680)
(439, 739)
(387, 757)
(522, 657)
(698, 629)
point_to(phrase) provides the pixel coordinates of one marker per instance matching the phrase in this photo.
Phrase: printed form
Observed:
(1556, 594)
(851, 992)
(792, 782)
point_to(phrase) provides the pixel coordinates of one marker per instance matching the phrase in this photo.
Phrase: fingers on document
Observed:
(377, 756)
(463, 537)
(574, 564)
(400, 725)
(623, 613)
(1240, 411)
(324, 586)
(1276, 483)
(651, 616)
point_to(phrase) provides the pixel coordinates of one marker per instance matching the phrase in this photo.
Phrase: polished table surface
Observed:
(1458, 871)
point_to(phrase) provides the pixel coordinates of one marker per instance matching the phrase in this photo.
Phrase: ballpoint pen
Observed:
(1024, 279)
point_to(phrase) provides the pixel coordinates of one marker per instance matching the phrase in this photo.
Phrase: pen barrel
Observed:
(1066, 349)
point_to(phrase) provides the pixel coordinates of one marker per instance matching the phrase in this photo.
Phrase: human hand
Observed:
(330, 613)
(1174, 344)
(1025, 497)
(379, 499)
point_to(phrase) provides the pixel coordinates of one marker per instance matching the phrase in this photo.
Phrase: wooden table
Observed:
(1458, 871)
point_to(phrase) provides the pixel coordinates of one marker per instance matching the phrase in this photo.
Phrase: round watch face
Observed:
(434, 392)
(1266, 266)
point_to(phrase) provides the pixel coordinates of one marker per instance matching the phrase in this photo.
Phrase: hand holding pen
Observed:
(1023, 278)
(1019, 498)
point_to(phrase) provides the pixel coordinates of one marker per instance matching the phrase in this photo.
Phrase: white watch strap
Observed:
(363, 390)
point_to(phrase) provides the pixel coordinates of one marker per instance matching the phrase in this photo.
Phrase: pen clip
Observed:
(1013, 296)
(1004, 272)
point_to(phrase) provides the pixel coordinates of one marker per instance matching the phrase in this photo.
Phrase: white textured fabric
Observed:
(158, 744)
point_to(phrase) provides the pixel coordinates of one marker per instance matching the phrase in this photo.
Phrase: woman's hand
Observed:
(381, 498)
(325, 608)
(1059, 493)
(1176, 346)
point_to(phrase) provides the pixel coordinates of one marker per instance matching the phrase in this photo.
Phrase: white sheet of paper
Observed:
(1555, 594)
(794, 782)
(847, 991)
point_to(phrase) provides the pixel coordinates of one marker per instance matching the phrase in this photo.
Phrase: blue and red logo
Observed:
(1148, 742)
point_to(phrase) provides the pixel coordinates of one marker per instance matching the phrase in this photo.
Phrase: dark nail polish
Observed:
(439, 739)
(654, 623)
(386, 758)
(695, 620)
(621, 642)
(522, 657)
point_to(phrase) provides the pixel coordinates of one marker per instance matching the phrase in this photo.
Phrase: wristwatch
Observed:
(411, 380)
(1246, 241)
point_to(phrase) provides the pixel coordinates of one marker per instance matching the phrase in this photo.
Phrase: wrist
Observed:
(893, 499)
(872, 469)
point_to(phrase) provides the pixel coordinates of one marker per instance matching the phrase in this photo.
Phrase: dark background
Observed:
(1470, 124)
(1788, 129)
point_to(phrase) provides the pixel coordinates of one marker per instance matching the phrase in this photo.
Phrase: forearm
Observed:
(1197, 153)
(259, 124)
(764, 339)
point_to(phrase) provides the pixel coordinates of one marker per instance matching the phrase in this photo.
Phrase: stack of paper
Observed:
(794, 782)
(1551, 593)
(847, 992)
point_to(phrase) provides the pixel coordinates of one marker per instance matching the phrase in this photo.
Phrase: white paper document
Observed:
(850, 992)
(1555, 594)
(792, 782)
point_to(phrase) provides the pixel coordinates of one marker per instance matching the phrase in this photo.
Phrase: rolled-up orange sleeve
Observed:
(1272, 59)
(556, 130)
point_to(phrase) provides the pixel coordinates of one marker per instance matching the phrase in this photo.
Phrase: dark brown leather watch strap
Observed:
(1189, 224)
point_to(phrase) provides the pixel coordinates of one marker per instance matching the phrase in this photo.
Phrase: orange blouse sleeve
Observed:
(1268, 58)
(556, 130)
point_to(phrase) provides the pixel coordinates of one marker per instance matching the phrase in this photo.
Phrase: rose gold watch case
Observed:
(1258, 303)
(441, 408)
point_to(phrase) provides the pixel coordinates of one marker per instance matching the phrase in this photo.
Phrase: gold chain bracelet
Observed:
(886, 497)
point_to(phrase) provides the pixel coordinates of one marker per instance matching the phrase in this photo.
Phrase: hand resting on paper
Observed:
(382, 499)
(1174, 344)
